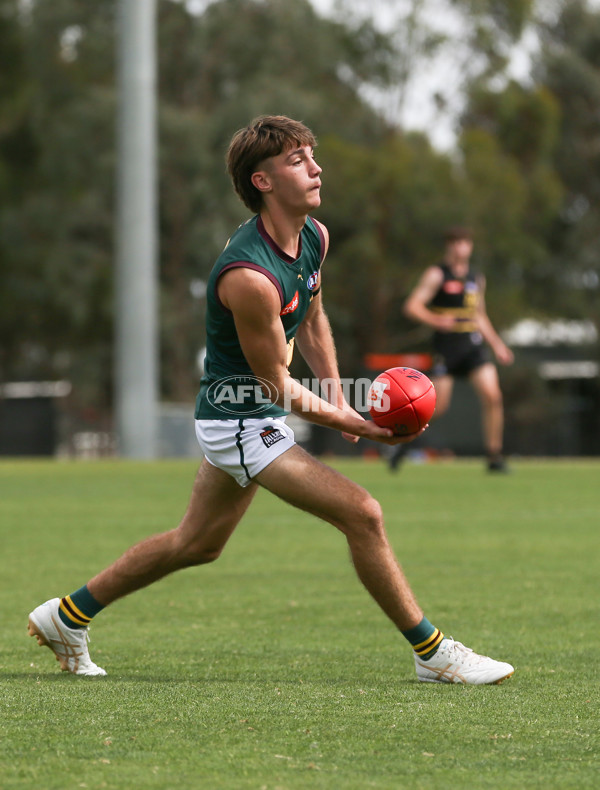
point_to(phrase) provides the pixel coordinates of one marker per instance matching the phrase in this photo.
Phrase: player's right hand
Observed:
(386, 436)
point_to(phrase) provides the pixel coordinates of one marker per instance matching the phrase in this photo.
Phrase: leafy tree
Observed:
(569, 67)
(546, 134)
(386, 207)
(216, 70)
(55, 215)
(462, 41)
(525, 172)
(508, 142)
(237, 60)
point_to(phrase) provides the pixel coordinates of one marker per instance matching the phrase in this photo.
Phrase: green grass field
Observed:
(272, 669)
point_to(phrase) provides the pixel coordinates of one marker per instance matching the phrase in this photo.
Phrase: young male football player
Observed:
(264, 296)
(450, 298)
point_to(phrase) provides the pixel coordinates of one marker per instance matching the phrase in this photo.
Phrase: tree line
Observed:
(524, 173)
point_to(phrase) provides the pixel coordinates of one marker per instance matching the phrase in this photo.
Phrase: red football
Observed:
(402, 399)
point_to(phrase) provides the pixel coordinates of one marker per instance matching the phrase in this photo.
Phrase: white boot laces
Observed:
(460, 653)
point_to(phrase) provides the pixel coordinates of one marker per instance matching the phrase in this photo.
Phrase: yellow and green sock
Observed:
(76, 610)
(424, 638)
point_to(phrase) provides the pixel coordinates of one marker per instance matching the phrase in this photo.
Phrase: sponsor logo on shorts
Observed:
(271, 436)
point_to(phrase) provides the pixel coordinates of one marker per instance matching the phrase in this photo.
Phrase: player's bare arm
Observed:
(255, 305)
(416, 307)
(501, 351)
(314, 340)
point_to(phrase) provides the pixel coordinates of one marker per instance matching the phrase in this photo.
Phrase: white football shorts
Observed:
(243, 447)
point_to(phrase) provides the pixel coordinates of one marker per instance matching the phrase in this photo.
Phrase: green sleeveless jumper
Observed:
(228, 388)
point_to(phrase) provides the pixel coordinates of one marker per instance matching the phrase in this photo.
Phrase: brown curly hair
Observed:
(266, 136)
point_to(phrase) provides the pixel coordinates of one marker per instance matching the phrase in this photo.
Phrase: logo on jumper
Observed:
(453, 287)
(289, 308)
(271, 436)
(311, 283)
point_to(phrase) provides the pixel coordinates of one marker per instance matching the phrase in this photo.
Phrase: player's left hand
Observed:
(374, 432)
(397, 439)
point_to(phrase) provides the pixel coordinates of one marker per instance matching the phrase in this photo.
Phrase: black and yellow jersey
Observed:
(458, 298)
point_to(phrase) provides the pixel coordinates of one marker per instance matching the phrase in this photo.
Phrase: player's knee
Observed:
(202, 555)
(492, 398)
(371, 515)
(198, 552)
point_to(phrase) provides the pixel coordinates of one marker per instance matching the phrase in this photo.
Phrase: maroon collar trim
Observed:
(260, 226)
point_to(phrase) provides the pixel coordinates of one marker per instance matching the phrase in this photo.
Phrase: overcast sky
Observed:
(441, 74)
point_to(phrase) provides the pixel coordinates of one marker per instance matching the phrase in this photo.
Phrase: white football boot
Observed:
(68, 644)
(455, 663)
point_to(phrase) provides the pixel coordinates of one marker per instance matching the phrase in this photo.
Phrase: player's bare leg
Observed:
(306, 483)
(444, 386)
(217, 504)
(487, 386)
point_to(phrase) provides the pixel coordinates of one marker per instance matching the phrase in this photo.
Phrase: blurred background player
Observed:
(450, 298)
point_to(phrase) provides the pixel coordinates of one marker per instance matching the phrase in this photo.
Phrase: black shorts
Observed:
(458, 356)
